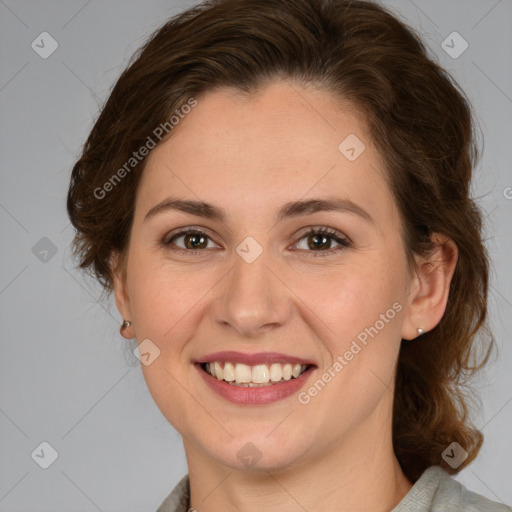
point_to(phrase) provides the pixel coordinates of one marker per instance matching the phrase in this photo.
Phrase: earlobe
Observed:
(430, 288)
(121, 293)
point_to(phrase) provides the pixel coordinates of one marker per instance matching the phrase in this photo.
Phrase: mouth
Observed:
(260, 375)
(254, 379)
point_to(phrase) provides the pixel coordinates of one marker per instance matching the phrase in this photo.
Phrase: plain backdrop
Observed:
(66, 376)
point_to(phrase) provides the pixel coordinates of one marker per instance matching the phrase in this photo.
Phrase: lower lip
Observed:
(260, 395)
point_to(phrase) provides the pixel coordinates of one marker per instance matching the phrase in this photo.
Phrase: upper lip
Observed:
(253, 359)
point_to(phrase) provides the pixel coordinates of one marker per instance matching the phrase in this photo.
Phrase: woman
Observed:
(277, 192)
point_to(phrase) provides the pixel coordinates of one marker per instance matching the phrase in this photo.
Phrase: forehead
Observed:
(283, 143)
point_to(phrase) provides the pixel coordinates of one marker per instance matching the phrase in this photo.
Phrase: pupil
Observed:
(195, 241)
(319, 242)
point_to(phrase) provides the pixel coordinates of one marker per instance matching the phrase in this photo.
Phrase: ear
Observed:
(430, 287)
(117, 264)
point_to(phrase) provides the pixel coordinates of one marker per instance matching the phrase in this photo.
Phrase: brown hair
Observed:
(418, 118)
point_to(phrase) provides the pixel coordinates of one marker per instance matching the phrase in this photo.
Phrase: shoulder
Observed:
(178, 499)
(452, 492)
(437, 491)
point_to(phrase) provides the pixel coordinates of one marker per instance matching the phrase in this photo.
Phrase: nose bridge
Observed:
(252, 298)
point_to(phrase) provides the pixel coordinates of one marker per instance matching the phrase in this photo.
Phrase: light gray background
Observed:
(64, 376)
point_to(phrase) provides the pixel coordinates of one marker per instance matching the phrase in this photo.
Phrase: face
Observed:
(259, 241)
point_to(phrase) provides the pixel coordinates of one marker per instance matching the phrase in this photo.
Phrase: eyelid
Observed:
(343, 241)
(323, 230)
(322, 227)
(340, 238)
(176, 233)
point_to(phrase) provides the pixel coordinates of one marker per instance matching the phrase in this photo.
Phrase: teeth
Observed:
(296, 370)
(242, 373)
(229, 372)
(276, 373)
(217, 371)
(260, 374)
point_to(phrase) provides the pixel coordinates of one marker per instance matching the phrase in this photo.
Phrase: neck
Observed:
(359, 474)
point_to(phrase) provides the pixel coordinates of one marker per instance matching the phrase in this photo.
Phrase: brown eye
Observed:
(322, 241)
(190, 240)
(195, 241)
(319, 242)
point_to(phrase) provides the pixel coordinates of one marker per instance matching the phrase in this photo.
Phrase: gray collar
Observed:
(434, 491)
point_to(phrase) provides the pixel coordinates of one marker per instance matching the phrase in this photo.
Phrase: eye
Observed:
(322, 240)
(189, 240)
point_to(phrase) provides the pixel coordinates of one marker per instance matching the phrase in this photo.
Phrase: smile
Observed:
(254, 379)
(239, 374)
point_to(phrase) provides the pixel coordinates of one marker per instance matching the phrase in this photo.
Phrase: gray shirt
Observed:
(434, 491)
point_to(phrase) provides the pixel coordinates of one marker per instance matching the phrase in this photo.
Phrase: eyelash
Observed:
(343, 242)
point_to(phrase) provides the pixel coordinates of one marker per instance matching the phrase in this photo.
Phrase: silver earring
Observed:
(125, 324)
(420, 330)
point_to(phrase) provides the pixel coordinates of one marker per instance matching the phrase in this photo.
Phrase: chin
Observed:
(255, 453)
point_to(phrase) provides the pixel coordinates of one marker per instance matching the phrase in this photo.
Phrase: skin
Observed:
(250, 155)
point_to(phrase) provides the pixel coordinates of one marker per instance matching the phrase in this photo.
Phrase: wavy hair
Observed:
(419, 119)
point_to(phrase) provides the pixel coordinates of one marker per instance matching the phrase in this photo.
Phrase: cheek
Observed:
(168, 304)
(363, 313)
(362, 308)
(347, 300)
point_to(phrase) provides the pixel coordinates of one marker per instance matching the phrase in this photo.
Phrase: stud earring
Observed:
(420, 330)
(124, 326)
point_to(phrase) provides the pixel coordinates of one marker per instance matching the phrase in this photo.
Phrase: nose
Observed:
(252, 299)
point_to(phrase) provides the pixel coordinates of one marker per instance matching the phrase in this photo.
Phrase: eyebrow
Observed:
(291, 209)
(334, 204)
